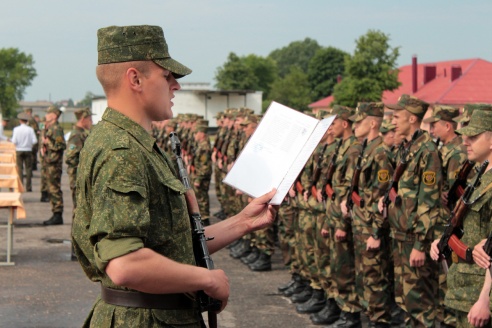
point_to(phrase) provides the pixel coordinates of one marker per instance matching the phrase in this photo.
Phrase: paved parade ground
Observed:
(46, 289)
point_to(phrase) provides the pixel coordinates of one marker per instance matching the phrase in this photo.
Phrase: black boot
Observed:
(243, 250)
(44, 197)
(282, 288)
(347, 320)
(297, 287)
(328, 315)
(303, 296)
(56, 219)
(314, 304)
(263, 263)
(251, 257)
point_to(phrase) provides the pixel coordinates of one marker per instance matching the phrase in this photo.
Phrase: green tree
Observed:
(297, 53)
(293, 90)
(235, 75)
(264, 69)
(16, 73)
(370, 71)
(87, 101)
(323, 70)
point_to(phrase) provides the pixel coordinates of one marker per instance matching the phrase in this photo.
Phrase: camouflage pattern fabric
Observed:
(287, 218)
(202, 175)
(371, 267)
(342, 255)
(412, 223)
(128, 198)
(74, 146)
(52, 165)
(465, 280)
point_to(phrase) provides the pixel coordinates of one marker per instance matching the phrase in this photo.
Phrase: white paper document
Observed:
(276, 152)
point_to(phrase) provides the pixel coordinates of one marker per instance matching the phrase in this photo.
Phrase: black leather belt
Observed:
(147, 301)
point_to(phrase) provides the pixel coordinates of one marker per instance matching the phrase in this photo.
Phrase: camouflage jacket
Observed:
(202, 161)
(465, 280)
(373, 181)
(324, 151)
(419, 188)
(345, 165)
(74, 146)
(55, 146)
(128, 198)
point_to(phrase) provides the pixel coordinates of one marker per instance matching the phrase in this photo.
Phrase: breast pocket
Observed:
(171, 204)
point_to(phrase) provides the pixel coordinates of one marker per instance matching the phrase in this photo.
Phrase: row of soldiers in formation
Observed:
(357, 226)
(51, 148)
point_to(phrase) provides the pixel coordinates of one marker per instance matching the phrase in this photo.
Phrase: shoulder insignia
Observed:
(429, 178)
(383, 176)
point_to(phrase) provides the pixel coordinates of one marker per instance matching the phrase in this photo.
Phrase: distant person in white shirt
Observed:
(4, 124)
(24, 138)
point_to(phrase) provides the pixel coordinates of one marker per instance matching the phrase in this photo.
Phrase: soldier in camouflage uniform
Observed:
(342, 261)
(53, 147)
(202, 172)
(219, 140)
(469, 284)
(371, 235)
(387, 131)
(132, 231)
(453, 156)
(33, 124)
(75, 143)
(44, 184)
(412, 219)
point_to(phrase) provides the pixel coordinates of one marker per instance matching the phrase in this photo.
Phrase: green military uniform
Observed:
(202, 174)
(52, 163)
(412, 223)
(371, 266)
(465, 280)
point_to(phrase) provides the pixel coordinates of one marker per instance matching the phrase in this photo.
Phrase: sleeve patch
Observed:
(383, 175)
(429, 178)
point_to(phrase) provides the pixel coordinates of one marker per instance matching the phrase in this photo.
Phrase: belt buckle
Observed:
(454, 257)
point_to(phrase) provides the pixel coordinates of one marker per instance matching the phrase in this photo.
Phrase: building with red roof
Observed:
(453, 82)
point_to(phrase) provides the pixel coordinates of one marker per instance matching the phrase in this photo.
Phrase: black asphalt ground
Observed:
(46, 289)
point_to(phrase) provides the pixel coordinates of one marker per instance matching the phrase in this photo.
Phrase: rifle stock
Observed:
(200, 248)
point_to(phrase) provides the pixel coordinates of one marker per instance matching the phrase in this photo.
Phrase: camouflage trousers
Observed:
(263, 240)
(53, 179)
(372, 272)
(202, 198)
(322, 257)
(24, 159)
(415, 288)
(462, 320)
(44, 174)
(444, 314)
(308, 269)
(286, 231)
(342, 265)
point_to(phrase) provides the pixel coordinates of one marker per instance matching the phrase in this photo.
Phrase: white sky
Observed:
(61, 34)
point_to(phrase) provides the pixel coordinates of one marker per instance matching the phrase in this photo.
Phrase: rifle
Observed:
(328, 191)
(317, 173)
(200, 248)
(391, 194)
(450, 240)
(459, 185)
(353, 196)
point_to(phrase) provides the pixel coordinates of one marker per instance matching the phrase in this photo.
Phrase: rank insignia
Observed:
(429, 178)
(383, 175)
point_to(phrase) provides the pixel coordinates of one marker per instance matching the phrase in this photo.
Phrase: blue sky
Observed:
(61, 34)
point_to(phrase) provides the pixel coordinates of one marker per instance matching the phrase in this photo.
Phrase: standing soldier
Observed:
(33, 124)
(413, 213)
(54, 145)
(42, 151)
(202, 172)
(369, 228)
(75, 143)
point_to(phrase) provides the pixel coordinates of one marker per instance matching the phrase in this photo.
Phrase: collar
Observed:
(131, 127)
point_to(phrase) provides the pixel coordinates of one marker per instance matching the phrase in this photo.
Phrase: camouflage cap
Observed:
(343, 112)
(412, 104)
(201, 121)
(468, 110)
(28, 110)
(83, 113)
(442, 113)
(116, 44)
(480, 121)
(172, 123)
(201, 128)
(54, 109)
(386, 127)
(23, 116)
(250, 119)
(365, 109)
(219, 115)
